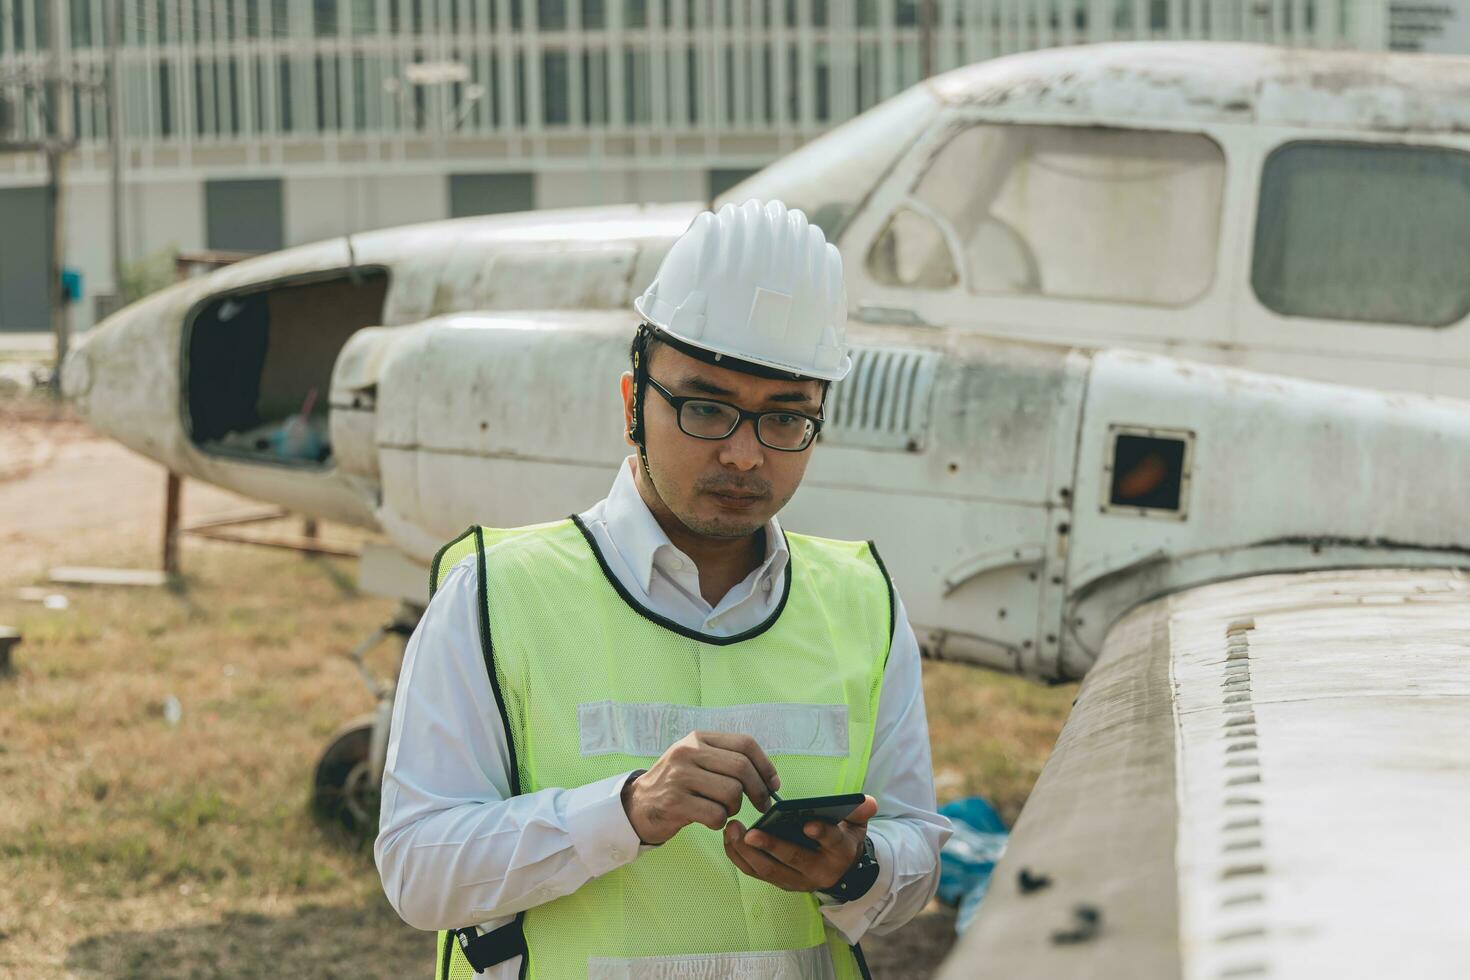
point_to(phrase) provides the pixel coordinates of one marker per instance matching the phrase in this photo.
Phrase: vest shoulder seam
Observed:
(438, 561)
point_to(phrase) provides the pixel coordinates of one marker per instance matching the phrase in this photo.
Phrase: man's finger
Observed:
(767, 868)
(794, 856)
(738, 766)
(697, 809)
(747, 747)
(717, 788)
(733, 830)
(827, 836)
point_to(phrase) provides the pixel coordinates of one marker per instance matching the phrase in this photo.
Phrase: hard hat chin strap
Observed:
(640, 388)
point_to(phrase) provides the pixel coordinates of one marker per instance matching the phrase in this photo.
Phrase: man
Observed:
(579, 748)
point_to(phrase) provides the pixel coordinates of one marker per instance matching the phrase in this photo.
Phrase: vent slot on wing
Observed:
(884, 402)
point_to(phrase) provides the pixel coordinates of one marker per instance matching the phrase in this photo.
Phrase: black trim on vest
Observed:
(439, 559)
(444, 957)
(487, 651)
(669, 624)
(862, 961)
(484, 950)
(888, 581)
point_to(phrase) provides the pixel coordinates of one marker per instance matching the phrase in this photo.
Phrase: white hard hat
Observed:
(757, 283)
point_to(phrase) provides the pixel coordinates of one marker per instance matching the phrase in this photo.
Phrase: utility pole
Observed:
(114, 139)
(58, 104)
(38, 119)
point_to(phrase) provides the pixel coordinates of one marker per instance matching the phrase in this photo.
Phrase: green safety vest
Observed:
(589, 684)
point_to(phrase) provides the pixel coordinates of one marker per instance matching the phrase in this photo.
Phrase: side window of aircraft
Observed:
(1350, 231)
(1129, 216)
(912, 251)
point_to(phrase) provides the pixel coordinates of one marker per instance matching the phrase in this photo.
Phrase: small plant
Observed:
(149, 274)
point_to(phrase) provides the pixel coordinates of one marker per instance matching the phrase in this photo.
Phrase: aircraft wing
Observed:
(1268, 777)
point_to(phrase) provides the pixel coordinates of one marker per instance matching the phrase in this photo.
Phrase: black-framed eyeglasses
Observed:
(703, 418)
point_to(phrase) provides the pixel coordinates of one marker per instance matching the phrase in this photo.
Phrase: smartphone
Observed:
(788, 818)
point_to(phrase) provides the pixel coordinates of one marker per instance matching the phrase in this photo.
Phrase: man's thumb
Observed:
(865, 812)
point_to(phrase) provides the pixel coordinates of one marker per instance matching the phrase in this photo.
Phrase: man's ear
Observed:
(625, 386)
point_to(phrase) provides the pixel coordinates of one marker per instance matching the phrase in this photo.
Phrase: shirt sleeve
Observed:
(454, 848)
(907, 833)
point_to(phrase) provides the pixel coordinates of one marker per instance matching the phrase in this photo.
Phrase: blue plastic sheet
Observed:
(969, 857)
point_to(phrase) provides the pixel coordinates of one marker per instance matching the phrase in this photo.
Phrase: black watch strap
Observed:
(859, 878)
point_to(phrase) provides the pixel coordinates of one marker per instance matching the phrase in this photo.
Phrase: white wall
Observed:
(166, 214)
(325, 207)
(674, 184)
(585, 188)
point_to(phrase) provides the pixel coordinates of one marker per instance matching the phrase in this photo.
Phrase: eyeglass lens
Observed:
(714, 420)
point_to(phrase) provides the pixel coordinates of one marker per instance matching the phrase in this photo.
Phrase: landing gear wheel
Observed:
(343, 791)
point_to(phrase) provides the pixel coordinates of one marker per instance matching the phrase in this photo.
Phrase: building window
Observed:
(1127, 216)
(1370, 233)
(324, 18)
(165, 99)
(81, 24)
(594, 88)
(472, 194)
(364, 16)
(555, 90)
(637, 88)
(283, 95)
(551, 15)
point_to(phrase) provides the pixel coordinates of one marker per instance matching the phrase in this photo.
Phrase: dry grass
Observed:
(130, 847)
(991, 733)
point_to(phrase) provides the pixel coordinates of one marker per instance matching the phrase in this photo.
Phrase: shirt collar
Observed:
(641, 540)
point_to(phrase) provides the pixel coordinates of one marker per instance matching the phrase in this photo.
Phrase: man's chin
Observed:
(724, 525)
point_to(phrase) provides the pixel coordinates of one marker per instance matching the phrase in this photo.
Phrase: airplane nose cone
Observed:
(123, 377)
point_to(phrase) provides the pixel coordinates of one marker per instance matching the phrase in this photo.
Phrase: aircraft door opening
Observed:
(258, 365)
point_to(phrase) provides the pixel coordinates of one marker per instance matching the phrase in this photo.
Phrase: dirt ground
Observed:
(140, 841)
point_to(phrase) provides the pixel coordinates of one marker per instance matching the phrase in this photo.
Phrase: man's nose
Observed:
(741, 449)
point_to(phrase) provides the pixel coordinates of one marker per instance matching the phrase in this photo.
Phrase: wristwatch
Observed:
(856, 881)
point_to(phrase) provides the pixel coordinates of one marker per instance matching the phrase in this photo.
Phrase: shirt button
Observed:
(676, 564)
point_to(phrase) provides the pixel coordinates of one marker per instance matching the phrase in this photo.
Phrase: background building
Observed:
(258, 124)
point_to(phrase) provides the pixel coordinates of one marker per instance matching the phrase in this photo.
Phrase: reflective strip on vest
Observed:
(610, 727)
(591, 686)
(813, 963)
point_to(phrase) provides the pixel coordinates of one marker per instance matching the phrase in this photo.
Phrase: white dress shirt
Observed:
(455, 849)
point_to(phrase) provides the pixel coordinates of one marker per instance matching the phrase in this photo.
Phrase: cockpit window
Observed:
(1128, 216)
(912, 251)
(831, 176)
(1350, 231)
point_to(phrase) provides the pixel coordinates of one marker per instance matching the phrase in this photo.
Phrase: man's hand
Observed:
(700, 779)
(795, 868)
